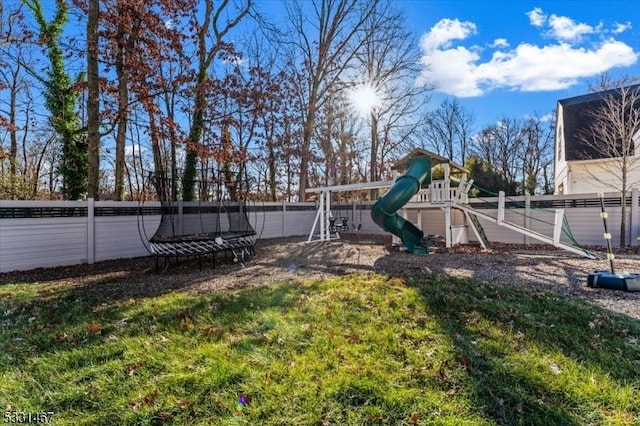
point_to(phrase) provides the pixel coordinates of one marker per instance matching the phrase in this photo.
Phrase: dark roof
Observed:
(577, 117)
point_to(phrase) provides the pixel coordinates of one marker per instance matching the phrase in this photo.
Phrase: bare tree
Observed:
(612, 136)
(536, 154)
(329, 125)
(325, 40)
(212, 32)
(448, 130)
(11, 78)
(129, 20)
(388, 62)
(440, 128)
(500, 147)
(20, 173)
(464, 123)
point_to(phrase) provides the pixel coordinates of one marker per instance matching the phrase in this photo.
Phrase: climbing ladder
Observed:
(473, 215)
(477, 228)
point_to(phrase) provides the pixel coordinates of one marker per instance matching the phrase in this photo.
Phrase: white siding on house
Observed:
(583, 177)
(560, 166)
(561, 179)
(589, 177)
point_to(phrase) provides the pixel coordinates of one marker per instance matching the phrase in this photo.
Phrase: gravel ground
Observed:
(539, 267)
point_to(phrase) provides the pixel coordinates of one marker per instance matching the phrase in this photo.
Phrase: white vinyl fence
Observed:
(37, 234)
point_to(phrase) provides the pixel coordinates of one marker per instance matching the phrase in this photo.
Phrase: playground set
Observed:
(414, 189)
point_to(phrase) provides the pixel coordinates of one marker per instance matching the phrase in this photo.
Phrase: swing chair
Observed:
(343, 225)
(358, 226)
(216, 222)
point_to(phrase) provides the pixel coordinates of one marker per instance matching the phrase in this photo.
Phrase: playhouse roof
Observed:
(435, 160)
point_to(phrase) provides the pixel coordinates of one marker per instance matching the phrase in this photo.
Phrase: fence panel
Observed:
(43, 242)
(124, 236)
(47, 233)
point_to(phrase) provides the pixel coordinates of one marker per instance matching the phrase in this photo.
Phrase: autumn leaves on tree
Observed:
(180, 86)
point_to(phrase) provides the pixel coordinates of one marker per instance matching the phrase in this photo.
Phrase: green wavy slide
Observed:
(384, 213)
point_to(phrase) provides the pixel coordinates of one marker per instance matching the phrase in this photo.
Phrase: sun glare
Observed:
(364, 98)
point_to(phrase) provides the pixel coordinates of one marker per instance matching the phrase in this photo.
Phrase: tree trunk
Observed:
(121, 132)
(13, 148)
(195, 134)
(623, 204)
(126, 44)
(373, 173)
(271, 161)
(93, 101)
(305, 152)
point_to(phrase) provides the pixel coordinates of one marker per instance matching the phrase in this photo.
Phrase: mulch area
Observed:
(539, 267)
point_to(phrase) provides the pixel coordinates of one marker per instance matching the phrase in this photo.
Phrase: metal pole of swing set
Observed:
(607, 235)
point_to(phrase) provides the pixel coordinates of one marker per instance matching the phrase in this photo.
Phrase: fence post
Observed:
(501, 202)
(557, 226)
(284, 218)
(447, 224)
(91, 231)
(527, 216)
(634, 224)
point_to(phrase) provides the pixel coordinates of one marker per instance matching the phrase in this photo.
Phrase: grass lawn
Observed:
(354, 350)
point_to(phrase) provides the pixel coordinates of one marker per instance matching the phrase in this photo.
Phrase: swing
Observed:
(332, 225)
(353, 221)
(343, 225)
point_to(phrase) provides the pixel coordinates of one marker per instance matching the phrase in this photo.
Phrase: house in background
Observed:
(579, 166)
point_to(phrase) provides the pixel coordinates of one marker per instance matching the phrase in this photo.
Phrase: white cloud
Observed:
(444, 32)
(453, 70)
(500, 42)
(554, 67)
(537, 17)
(566, 29)
(548, 117)
(620, 28)
(460, 70)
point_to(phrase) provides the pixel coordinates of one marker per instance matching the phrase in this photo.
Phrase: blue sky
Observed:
(517, 58)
